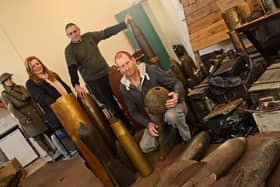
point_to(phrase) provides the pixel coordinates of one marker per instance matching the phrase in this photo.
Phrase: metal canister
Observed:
(232, 17)
(237, 41)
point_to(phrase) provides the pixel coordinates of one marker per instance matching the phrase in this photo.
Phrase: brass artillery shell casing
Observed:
(99, 120)
(71, 114)
(132, 149)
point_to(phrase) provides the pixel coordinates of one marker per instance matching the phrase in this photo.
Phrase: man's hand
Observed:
(152, 129)
(80, 91)
(170, 103)
(128, 18)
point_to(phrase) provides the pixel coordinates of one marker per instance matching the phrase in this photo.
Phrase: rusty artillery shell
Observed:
(143, 43)
(99, 120)
(131, 147)
(70, 113)
(225, 155)
(155, 100)
(255, 171)
(197, 147)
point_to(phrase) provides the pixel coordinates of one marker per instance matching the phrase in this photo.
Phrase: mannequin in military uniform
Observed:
(29, 115)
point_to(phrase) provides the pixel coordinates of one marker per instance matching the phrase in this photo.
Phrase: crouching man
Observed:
(137, 80)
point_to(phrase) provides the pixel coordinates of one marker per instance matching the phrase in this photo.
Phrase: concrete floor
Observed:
(73, 173)
(68, 173)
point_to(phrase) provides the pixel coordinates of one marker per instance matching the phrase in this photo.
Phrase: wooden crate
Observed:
(268, 85)
(204, 19)
(268, 121)
(205, 23)
(200, 101)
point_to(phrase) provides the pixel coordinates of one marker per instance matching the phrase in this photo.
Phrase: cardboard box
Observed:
(10, 167)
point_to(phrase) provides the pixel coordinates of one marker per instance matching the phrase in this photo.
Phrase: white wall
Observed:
(34, 27)
(169, 24)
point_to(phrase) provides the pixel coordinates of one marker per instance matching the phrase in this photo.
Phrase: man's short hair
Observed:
(69, 25)
(119, 54)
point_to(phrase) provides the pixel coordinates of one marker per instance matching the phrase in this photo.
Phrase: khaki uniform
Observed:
(24, 109)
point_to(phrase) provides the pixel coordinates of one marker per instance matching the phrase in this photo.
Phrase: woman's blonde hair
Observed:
(51, 75)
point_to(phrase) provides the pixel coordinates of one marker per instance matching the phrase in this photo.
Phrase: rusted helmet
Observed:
(155, 100)
(4, 77)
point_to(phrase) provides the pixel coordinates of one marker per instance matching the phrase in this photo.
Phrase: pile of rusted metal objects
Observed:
(238, 162)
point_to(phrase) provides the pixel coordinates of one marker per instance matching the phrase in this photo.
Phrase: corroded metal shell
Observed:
(225, 155)
(155, 100)
(197, 147)
(143, 43)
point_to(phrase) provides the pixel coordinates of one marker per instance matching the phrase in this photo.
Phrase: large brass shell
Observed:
(99, 120)
(71, 114)
(131, 148)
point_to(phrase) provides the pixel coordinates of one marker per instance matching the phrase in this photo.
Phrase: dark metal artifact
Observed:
(256, 170)
(197, 147)
(143, 43)
(237, 41)
(223, 109)
(225, 155)
(177, 71)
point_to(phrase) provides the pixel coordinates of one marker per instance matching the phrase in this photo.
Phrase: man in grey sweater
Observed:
(83, 54)
(137, 80)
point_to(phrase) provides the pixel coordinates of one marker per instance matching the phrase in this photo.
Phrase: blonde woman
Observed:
(45, 86)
